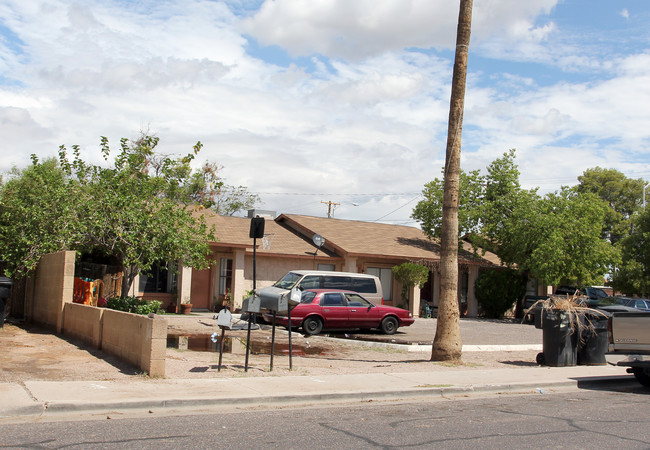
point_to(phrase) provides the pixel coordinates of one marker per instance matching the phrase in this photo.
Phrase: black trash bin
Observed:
(593, 339)
(5, 293)
(559, 339)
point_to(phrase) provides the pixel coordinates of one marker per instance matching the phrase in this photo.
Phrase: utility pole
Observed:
(329, 208)
(645, 188)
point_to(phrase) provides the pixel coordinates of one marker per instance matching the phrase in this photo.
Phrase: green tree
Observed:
(622, 194)
(429, 210)
(39, 214)
(557, 238)
(570, 248)
(206, 187)
(137, 217)
(138, 208)
(632, 276)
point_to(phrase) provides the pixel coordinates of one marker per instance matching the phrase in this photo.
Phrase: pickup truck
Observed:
(629, 336)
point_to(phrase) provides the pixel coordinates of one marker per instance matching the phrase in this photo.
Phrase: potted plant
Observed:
(186, 306)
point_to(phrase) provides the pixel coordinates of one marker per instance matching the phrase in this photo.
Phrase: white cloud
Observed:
(357, 29)
(372, 119)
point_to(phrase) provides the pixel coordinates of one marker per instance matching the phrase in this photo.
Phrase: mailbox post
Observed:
(250, 305)
(224, 321)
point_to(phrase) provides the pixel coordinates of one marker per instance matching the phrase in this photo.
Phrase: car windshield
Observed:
(607, 301)
(288, 281)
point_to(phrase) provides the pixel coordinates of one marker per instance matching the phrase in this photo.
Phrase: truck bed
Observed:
(629, 333)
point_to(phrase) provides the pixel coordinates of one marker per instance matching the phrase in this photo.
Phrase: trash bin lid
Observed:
(4, 281)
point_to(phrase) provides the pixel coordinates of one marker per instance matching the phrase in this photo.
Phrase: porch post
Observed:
(414, 303)
(184, 284)
(238, 280)
(472, 302)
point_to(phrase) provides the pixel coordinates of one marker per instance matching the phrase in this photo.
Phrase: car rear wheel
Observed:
(642, 375)
(312, 325)
(389, 325)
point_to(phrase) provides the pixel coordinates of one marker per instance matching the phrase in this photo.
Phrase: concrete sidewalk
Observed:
(41, 400)
(49, 399)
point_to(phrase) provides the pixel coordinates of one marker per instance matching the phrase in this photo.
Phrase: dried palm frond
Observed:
(576, 308)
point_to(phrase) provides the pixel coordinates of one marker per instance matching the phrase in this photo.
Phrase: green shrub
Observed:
(134, 305)
(497, 290)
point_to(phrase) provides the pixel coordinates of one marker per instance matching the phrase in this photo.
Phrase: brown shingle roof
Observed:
(375, 239)
(234, 232)
(291, 234)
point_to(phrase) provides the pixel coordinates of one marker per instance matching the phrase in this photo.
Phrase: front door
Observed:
(201, 288)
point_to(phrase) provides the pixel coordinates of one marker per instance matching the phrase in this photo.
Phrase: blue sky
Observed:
(305, 101)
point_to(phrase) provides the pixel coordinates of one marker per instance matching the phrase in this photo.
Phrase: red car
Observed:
(328, 309)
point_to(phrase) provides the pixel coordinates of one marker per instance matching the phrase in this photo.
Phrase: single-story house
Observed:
(288, 244)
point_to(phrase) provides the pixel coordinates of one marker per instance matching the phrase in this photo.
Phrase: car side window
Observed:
(332, 299)
(307, 297)
(364, 285)
(336, 282)
(310, 282)
(357, 300)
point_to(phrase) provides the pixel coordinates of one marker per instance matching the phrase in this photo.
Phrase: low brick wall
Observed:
(83, 322)
(137, 339)
(50, 288)
(134, 338)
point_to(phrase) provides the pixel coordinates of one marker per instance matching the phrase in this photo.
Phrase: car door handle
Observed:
(353, 310)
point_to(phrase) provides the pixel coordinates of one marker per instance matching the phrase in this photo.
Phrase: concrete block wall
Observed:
(52, 288)
(137, 339)
(83, 322)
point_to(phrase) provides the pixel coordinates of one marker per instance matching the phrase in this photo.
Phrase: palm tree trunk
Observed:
(447, 344)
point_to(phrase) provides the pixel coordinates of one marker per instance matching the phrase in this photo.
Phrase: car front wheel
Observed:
(389, 325)
(312, 325)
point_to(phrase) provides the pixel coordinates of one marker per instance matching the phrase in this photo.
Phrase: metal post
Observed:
(290, 351)
(222, 339)
(248, 332)
(273, 341)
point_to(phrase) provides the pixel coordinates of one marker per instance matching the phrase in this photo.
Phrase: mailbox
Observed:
(274, 301)
(279, 300)
(224, 318)
(251, 304)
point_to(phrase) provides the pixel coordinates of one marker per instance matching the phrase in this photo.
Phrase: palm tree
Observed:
(447, 344)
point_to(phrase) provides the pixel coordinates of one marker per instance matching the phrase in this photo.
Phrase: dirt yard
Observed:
(32, 353)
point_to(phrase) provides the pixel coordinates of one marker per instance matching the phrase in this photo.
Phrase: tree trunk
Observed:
(447, 344)
(128, 276)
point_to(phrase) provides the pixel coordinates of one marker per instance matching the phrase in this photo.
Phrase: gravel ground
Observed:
(32, 353)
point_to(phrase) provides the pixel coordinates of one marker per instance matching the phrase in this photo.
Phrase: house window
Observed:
(158, 279)
(225, 276)
(385, 276)
(326, 267)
